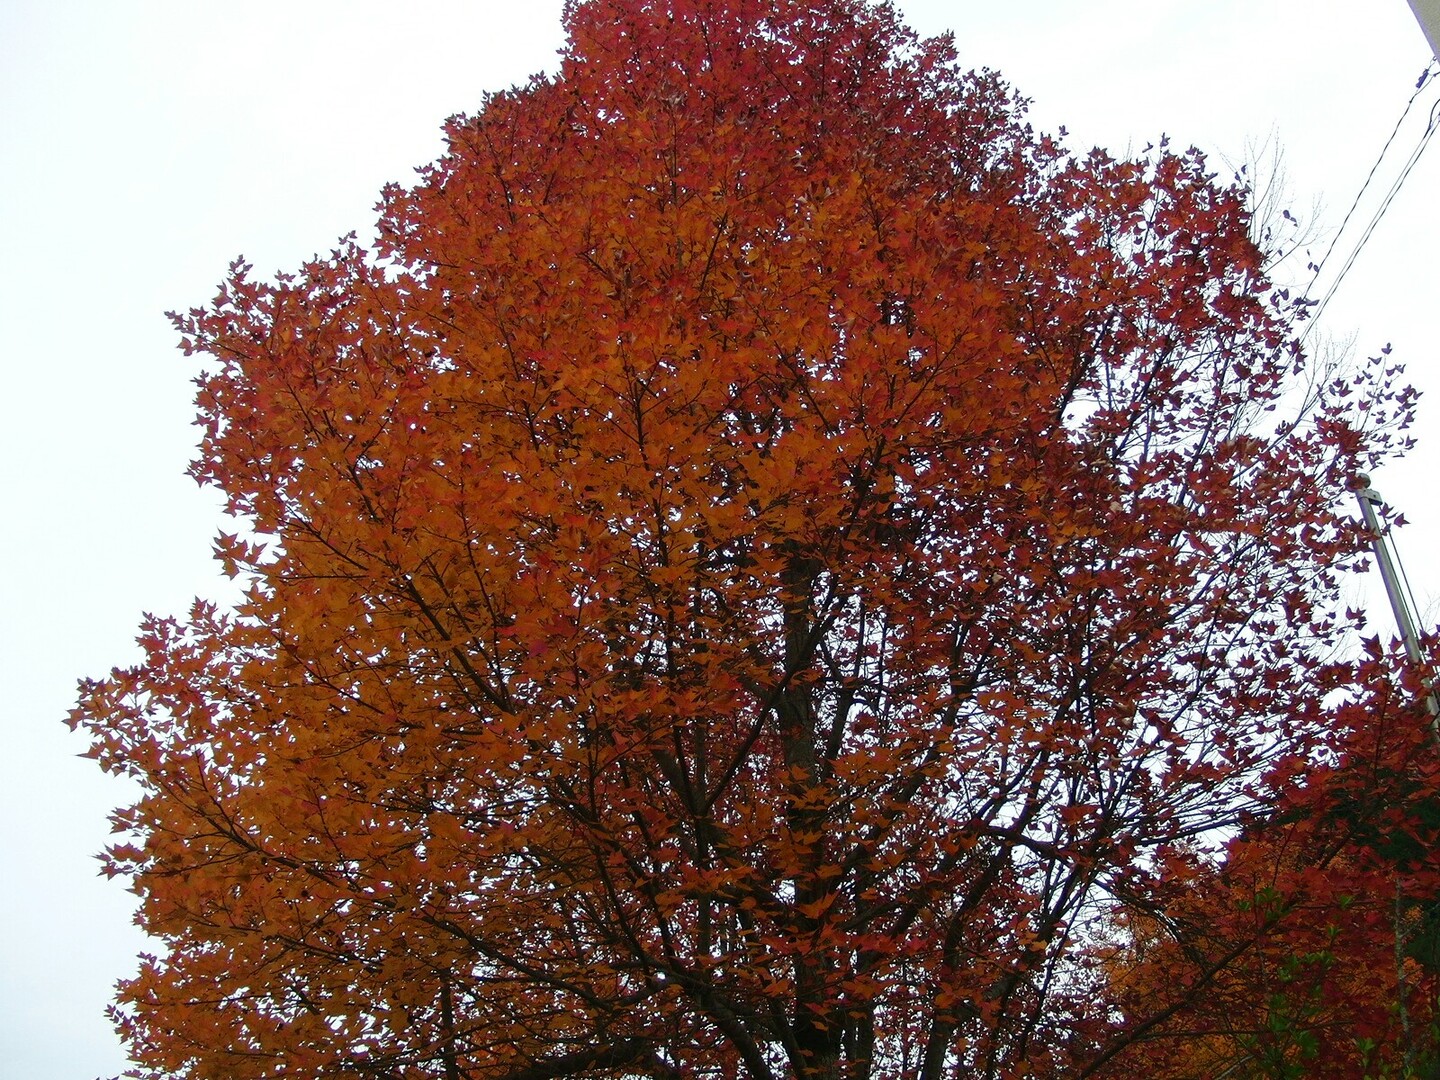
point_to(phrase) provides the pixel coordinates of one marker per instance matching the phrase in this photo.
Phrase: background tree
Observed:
(768, 569)
(1310, 951)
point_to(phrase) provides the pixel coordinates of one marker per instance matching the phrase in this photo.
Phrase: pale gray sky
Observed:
(145, 143)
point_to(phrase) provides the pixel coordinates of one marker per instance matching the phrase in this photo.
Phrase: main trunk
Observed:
(816, 1028)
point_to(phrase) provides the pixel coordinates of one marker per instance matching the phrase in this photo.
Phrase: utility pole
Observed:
(1369, 499)
(1427, 14)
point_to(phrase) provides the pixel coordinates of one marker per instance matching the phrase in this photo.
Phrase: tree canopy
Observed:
(770, 567)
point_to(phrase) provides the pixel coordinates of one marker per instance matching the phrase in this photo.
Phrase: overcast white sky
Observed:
(145, 143)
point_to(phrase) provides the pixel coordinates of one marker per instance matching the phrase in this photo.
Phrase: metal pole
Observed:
(1369, 498)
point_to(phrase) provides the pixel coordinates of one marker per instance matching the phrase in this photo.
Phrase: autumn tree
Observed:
(768, 568)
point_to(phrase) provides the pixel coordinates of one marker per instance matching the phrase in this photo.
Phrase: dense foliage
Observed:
(771, 569)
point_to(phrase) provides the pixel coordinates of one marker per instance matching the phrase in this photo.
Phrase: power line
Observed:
(1425, 137)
